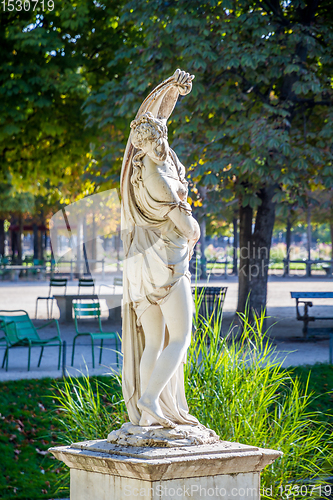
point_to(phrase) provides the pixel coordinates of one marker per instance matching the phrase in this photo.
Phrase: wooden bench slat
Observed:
(311, 295)
(306, 318)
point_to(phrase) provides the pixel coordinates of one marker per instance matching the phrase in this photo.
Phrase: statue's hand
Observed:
(183, 81)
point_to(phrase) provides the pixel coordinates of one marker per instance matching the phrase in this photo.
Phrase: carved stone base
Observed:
(105, 471)
(182, 435)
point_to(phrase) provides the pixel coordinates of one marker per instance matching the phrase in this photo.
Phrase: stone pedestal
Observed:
(100, 470)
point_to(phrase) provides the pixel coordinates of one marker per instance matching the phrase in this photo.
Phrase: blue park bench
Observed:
(306, 318)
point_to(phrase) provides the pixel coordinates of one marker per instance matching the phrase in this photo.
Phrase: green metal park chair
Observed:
(55, 283)
(117, 281)
(85, 283)
(20, 332)
(92, 311)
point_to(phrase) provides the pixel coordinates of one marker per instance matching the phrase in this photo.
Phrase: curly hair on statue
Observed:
(147, 128)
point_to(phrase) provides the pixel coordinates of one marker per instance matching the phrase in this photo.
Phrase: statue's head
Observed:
(151, 136)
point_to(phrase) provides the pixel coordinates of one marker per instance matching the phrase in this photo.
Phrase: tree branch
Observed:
(276, 9)
(311, 102)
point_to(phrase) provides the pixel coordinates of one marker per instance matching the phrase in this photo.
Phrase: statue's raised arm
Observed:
(162, 100)
(160, 103)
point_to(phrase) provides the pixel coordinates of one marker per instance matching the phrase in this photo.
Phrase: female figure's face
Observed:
(157, 149)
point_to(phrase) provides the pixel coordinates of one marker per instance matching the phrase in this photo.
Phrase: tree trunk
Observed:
(245, 234)
(86, 266)
(45, 242)
(14, 244)
(308, 232)
(261, 247)
(36, 246)
(202, 241)
(288, 245)
(19, 239)
(93, 244)
(79, 247)
(235, 246)
(54, 243)
(2, 237)
(118, 243)
(41, 246)
(254, 252)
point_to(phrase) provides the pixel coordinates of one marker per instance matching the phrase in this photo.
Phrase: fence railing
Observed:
(195, 267)
(327, 265)
(77, 268)
(83, 267)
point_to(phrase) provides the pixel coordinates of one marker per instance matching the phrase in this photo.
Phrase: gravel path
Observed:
(285, 330)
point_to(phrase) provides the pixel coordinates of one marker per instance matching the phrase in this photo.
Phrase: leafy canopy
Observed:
(260, 111)
(49, 63)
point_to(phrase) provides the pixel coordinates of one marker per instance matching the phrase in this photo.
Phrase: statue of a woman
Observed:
(159, 234)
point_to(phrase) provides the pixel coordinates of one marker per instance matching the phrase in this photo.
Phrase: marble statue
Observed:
(163, 446)
(159, 234)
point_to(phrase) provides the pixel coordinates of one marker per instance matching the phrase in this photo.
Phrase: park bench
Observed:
(301, 298)
(15, 271)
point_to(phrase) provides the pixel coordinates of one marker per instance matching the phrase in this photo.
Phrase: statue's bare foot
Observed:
(153, 408)
(146, 420)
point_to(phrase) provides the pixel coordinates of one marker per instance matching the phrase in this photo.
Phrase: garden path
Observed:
(285, 330)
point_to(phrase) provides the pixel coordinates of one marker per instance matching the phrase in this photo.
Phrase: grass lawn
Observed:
(321, 383)
(28, 427)
(295, 267)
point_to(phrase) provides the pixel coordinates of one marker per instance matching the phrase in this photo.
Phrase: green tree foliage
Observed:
(258, 123)
(49, 62)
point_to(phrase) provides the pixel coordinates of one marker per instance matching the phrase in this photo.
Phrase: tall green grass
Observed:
(234, 385)
(89, 408)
